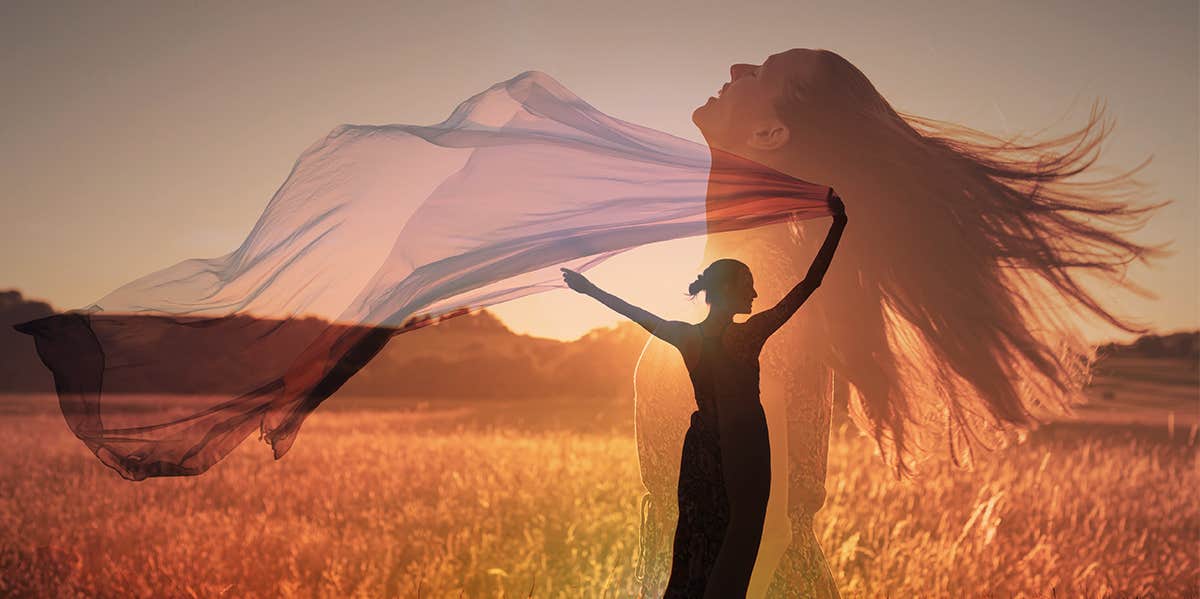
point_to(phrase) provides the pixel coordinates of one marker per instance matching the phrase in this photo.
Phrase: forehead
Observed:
(790, 62)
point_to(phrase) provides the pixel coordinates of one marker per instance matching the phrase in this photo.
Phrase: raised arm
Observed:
(768, 321)
(671, 331)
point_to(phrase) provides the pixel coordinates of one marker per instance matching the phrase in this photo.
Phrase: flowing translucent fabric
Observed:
(376, 231)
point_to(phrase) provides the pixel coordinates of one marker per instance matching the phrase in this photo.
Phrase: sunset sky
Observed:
(137, 135)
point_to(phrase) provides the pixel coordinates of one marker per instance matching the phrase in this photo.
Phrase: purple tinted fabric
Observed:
(376, 230)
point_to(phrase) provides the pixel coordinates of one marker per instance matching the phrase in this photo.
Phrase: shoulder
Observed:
(759, 326)
(674, 332)
(756, 320)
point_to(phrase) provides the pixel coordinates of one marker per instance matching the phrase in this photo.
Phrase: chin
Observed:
(701, 116)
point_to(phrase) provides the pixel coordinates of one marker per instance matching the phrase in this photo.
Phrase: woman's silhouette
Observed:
(725, 472)
(940, 322)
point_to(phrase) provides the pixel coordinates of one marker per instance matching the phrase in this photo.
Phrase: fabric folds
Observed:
(376, 231)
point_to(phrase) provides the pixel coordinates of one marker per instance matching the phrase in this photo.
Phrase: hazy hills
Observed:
(473, 355)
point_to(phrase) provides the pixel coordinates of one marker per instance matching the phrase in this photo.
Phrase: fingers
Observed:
(573, 279)
(836, 206)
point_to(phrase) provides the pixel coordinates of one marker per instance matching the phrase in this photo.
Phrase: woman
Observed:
(934, 320)
(725, 472)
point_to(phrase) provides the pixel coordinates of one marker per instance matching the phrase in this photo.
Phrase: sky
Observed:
(137, 135)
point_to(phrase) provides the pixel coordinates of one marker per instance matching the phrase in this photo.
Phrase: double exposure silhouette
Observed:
(725, 471)
(947, 317)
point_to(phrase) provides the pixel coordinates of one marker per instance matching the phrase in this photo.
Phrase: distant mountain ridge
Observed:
(1184, 344)
(472, 355)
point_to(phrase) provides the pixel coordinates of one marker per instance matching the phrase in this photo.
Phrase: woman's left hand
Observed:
(577, 281)
(836, 206)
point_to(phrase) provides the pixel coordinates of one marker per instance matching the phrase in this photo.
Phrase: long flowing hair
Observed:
(946, 306)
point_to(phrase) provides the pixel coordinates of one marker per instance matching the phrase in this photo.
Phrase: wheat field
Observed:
(373, 503)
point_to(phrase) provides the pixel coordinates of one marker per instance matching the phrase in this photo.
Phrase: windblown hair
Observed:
(944, 306)
(717, 276)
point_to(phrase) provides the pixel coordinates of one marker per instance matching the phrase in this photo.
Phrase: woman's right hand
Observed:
(577, 281)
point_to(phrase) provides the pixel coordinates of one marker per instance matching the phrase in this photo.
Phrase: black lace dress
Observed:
(724, 363)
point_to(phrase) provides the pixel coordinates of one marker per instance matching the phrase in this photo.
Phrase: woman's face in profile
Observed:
(739, 294)
(747, 102)
(743, 293)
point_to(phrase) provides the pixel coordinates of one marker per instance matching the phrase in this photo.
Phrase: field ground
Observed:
(375, 501)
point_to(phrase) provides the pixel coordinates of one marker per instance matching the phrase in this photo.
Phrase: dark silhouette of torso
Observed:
(723, 363)
(723, 367)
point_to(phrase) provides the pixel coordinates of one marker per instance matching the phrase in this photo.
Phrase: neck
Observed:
(799, 160)
(718, 316)
(732, 176)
